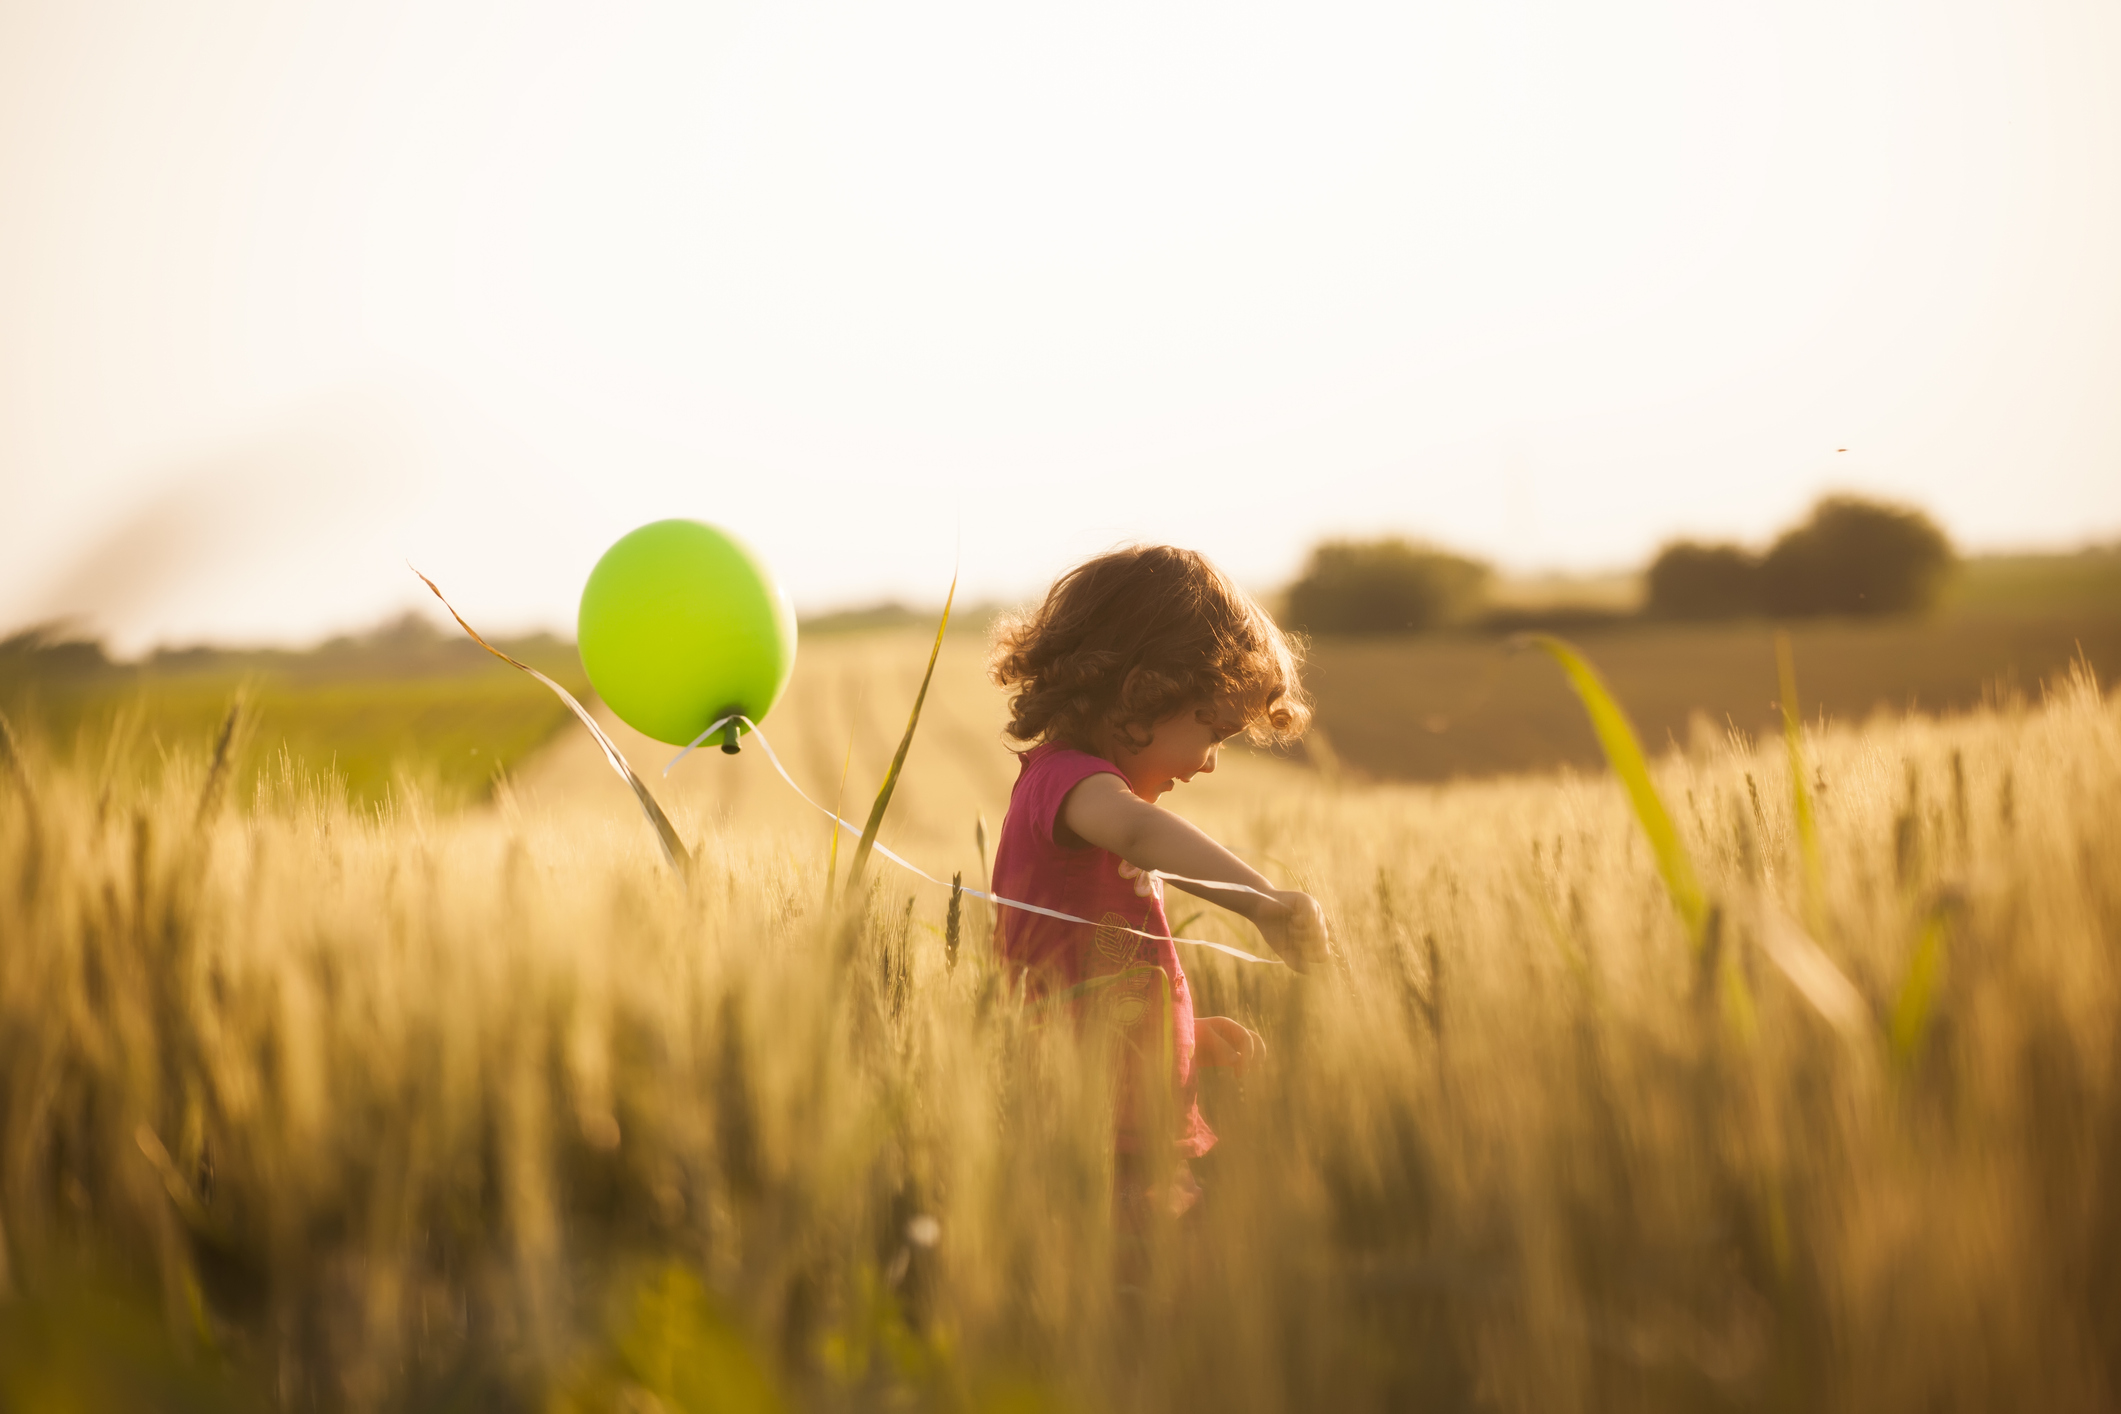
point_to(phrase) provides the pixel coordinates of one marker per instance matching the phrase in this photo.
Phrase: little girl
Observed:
(1127, 679)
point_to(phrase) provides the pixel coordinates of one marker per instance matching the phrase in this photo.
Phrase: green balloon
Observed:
(681, 624)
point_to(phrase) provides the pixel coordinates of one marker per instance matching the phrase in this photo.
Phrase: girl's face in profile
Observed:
(1180, 746)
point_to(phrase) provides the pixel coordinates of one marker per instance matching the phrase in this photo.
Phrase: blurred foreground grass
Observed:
(392, 1109)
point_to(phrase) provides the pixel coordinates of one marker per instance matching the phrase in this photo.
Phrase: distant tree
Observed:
(51, 651)
(1694, 581)
(1383, 586)
(1854, 556)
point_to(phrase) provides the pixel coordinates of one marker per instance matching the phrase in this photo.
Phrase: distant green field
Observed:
(404, 702)
(408, 701)
(2086, 582)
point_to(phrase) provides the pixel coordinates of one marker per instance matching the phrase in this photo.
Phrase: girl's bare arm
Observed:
(1102, 811)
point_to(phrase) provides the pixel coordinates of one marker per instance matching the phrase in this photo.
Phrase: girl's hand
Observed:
(1295, 926)
(1220, 1041)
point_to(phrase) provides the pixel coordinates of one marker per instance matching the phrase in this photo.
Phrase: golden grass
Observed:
(394, 1109)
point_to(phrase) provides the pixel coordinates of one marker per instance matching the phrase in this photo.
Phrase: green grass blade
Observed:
(1800, 790)
(1909, 1025)
(1623, 752)
(898, 761)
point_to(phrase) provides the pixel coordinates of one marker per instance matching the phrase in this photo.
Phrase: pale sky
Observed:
(292, 292)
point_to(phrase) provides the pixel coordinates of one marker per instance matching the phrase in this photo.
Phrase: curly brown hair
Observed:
(1128, 638)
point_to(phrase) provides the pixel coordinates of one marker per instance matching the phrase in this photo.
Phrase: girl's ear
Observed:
(1128, 728)
(1131, 733)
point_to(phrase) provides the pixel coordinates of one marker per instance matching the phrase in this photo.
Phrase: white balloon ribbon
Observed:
(752, 730)
(679, 858)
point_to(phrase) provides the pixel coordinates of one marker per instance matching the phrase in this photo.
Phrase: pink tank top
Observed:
(1031, 866)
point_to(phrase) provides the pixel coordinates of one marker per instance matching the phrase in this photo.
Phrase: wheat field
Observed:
(310, 1106)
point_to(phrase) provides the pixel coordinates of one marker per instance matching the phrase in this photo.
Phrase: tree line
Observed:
(1847, 556)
